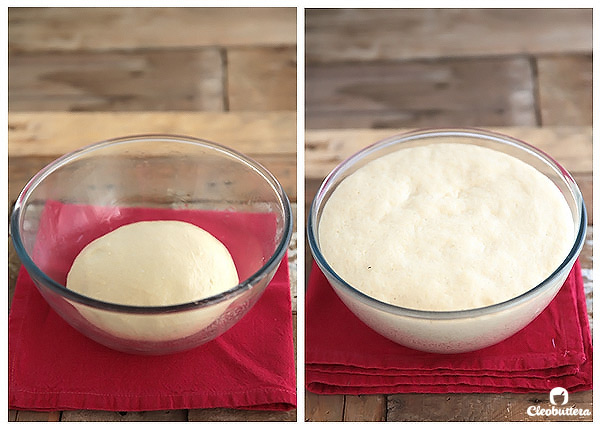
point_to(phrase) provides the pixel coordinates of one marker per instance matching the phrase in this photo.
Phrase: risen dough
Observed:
(445, 227)
(153, 263)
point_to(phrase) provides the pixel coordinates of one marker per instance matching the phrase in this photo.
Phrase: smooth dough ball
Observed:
(153, 263)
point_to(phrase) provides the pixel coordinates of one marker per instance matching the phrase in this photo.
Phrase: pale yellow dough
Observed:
(445, 227)
(153, 263)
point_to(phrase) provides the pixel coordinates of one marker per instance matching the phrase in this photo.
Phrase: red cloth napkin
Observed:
(344, 356)
(54, 367)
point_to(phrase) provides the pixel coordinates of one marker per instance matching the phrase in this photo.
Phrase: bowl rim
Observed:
(247, 284)
(416, 134)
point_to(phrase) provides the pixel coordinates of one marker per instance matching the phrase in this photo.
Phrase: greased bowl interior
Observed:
(451, 331)
(92, 191)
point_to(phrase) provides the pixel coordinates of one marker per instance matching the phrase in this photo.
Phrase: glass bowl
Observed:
(451, 331)
(89, 192)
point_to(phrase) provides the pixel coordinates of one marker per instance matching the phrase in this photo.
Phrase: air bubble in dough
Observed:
(445, 227)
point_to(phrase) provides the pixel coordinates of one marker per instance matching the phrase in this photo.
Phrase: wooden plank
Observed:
(261, 78)
(75, 29)
(38, 416)
(479, 407)
(228, 415)
(586, 184)
(22, 168)
(12, 415)
(323, 408)
(439, 93)
(123, 416)
(365, 408)
(311, 186)
(20, 171)
(565, 89)
(384, 34)
(284, 168)
(570, 146)
(56, 133)
(144, 80)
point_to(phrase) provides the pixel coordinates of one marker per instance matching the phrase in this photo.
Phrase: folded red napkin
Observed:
(54, 367)
(344, 356)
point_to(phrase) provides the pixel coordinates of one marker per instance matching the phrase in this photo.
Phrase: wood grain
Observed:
(131, 416)
(435, 93)
(76, 29)
(324, 408)
(570, 146)
(384, 34)
(52, 133)
(38, 416)
(35, 139)
(261, 78)
(478, 407)
(117, 81)
(227, 415)
(565, 89)
(586, 186)
(365, 408)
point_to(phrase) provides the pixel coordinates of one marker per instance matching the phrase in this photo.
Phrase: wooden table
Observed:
(525, 73)
(77, 76)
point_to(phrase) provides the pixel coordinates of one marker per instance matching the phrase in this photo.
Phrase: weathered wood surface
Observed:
(35, 139)
(204, 79)
(37, 416)
(510, 407)
(123, 416)
(261, 79)
(12, 415)
(384, 34)
(225, 415)
(324, 408)
(440, 93)
(92, 81)
(55, 133)
(374, 73)
(77, 29)
(365, 408)
(565, 83)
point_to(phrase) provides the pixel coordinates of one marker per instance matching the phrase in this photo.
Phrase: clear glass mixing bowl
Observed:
(92, 191)
(451, 331)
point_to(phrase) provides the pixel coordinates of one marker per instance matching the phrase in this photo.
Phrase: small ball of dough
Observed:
(153, 263)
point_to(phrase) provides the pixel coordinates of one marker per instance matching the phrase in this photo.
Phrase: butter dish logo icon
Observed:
(559, 396)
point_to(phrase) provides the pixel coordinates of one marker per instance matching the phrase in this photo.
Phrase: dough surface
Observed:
(153, 263)
(445, 227)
